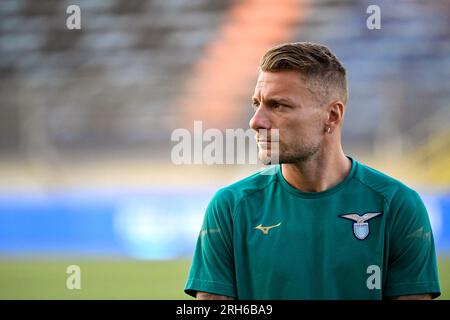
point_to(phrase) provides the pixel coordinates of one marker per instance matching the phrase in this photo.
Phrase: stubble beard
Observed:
(299, 153)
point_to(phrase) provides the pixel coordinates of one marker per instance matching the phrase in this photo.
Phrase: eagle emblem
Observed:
(361, 226)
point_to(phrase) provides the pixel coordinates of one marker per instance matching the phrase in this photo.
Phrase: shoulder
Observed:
(396, 194)
(392, 190)
(231, 195)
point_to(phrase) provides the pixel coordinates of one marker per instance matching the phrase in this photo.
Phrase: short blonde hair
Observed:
(323, 73)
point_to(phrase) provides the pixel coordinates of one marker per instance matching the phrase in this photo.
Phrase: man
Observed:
(323, 226)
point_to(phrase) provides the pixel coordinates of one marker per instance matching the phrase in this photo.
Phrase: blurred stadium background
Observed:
(86, 118)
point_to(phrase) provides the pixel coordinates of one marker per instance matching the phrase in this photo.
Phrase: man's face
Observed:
(282, 101)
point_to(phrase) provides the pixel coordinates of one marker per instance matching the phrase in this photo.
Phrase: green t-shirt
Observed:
(369, 237)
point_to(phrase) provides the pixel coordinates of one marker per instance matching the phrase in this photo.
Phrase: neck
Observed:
(320, 172)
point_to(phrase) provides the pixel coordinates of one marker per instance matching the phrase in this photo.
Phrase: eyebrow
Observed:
(275, 99)
(281, 100)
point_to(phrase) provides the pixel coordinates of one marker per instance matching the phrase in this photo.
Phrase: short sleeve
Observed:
(212, 268)
(412, 267)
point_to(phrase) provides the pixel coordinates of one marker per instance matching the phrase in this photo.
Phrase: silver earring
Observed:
(328, 130)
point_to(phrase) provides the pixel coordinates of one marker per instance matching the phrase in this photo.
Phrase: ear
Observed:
(335, 112)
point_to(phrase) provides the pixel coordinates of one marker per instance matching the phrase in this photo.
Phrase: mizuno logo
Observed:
(360, 225)
(265, 230)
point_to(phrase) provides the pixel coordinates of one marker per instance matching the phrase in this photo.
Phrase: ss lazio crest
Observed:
(360, 225)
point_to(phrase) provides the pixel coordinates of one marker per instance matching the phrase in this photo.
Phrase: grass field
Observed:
(23, 279)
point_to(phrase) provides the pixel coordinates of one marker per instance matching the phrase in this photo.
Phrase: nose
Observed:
(260, 120)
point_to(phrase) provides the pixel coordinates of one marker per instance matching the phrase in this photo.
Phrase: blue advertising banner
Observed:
(147, 224)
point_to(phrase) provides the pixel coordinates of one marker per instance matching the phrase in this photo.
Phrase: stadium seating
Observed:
(113, 83)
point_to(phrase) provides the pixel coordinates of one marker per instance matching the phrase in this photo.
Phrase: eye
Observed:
(276, 105)
(255, 104)
(280, 106)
